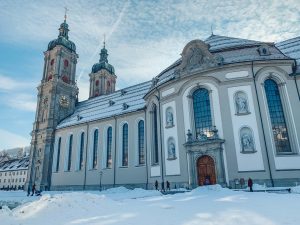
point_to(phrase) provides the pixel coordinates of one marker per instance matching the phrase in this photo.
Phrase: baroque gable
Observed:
(196, 56)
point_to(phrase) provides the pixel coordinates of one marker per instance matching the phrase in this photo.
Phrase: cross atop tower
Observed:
(103, 40)
(66, 10)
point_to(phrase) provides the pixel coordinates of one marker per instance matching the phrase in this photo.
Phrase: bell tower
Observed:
(56, 99)
(102, 77)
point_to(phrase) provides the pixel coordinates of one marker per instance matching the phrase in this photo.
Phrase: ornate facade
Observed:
(227, 110)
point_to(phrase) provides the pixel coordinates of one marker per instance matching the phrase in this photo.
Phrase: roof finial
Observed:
(211, 29)
(66, 10)
(103, 40)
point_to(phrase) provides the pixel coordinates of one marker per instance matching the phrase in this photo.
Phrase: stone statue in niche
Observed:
(170, 120)
(247, 140)
(171, 150)
(241, 103)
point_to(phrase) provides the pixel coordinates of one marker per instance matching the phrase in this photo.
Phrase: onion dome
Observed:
(103, 63)
(63, 38)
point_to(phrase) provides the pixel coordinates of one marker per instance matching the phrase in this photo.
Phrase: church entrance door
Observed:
(206, 170)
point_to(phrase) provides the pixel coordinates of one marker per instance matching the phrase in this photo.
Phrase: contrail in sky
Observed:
(112, 30)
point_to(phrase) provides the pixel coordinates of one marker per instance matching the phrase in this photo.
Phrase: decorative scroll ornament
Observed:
(196, 56)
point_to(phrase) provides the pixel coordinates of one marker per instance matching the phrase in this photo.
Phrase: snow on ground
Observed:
(210, 205)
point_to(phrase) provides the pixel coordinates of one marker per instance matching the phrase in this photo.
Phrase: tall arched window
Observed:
(58, 154)
(141, 142)
(202, 111)
(95, 149)
(81, 148)
(154, 135)
(125, 145)
(70, 152)
(108, 148)
(279, 128)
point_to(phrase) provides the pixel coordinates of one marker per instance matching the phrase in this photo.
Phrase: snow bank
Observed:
(295, 189)
(124, 193)
(209, 188)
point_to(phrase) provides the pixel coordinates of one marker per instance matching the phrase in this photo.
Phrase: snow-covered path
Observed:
(208, 205)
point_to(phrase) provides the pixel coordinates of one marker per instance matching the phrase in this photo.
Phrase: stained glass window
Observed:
(95, 149)
(202, 111)
(141, 142)
(279, 128)
(155, 135)
(70, 152)
(125, 145)
(81, 150)
(108, 146)
(58, 154)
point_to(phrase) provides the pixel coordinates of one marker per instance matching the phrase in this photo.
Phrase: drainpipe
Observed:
(160, 129)
(86, 160)
(115, 161)
(297, 87)
(146, 153)
(263, 129)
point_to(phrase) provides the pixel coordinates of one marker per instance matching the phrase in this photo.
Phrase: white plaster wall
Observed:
(172, 166)
(237, 74)
(216, 114)
(155, 171)
(167, 92)
(251, 161)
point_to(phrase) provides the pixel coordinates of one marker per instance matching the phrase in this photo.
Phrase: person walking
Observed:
(168, 185)
(33, 189)
(28, 190)
(163, 186)
(250, 184)
(156, 185)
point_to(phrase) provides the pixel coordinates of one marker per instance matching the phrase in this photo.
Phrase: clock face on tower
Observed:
(64, 101)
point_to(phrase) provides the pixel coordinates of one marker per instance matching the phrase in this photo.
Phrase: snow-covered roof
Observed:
(120, 102)
(15, 164)
(232, 50)
(291, 48)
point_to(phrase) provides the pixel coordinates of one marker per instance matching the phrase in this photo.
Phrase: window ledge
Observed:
(245, 152)
(155, 164)
(287, 154)
(169, 126)
(123, 166)
(172, 158)
(242, 114)
(140, 165)
(107, 168)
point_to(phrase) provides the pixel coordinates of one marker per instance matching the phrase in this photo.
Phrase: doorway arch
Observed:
(206, 170)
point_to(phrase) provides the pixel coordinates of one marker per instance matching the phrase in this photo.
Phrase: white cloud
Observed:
(9, 84)
(11, 140)
(24, 102)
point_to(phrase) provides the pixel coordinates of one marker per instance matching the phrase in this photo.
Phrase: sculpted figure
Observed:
(247, 142)
(241, 104)
(170, 121)
(171, 151)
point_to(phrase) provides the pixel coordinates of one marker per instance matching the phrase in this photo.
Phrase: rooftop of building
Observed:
(15, 164)
(232, 50)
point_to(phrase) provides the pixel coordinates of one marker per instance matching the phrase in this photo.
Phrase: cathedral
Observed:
(226, 110)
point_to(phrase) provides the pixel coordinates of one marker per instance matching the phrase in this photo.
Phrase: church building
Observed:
(226, 110)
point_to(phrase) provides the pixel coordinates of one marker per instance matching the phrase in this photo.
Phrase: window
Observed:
(70, 153)
(81, 147)
(23, 179)
(97, 82)
(279, 128)
(141, 142)
(58, 154)
(66, 63)
(154, 135)
(125, 145)
(20, 179)
(202, 111)
(108, 148)
(95, 149)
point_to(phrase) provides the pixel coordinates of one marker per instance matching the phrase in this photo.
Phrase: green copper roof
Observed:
(63, 38)
(103, 63)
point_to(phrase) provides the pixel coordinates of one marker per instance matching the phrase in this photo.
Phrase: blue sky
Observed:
(143, 38)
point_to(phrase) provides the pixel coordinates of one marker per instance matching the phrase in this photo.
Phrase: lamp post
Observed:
(100, 185)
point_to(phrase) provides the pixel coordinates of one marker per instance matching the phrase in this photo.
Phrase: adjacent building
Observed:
(227, 109)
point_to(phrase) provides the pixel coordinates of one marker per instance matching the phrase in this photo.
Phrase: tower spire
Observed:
(66, 10)
(103, 40)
